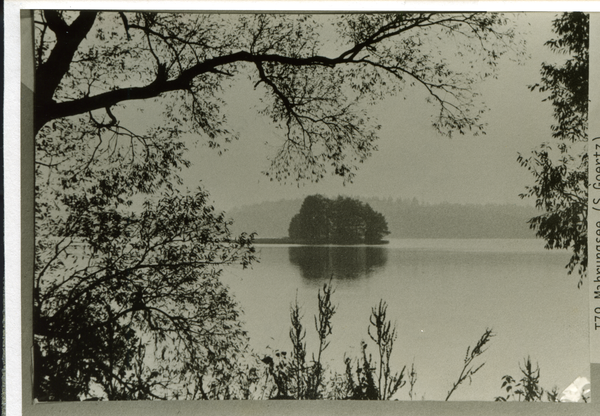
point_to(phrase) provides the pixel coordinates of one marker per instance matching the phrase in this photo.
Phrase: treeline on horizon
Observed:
(405, 218)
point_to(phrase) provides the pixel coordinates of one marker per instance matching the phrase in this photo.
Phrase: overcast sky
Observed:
(413, 160)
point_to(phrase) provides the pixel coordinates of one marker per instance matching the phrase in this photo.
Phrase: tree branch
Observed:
(49, 74)
(68, 41)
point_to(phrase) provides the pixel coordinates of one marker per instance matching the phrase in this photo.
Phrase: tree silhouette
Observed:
(314, 222)
(92, 63)
(561, 179)
(341, 221)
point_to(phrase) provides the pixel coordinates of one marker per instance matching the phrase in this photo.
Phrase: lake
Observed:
(442, 294)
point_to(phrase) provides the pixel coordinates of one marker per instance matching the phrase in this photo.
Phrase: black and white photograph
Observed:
(298, 205)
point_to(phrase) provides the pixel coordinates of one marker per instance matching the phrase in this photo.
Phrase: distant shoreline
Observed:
(287, 240)
(405, 219)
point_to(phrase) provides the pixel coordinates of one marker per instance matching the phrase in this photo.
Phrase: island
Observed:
(342, 220)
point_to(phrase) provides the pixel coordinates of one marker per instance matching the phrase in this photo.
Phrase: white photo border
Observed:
(18, 207)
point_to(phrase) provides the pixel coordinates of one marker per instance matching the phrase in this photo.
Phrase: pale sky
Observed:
(413, 160)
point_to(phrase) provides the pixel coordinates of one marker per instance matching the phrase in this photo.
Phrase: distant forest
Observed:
(405, 218)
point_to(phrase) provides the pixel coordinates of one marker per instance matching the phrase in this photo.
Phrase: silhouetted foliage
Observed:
(338, 221)
(293, 376)
(92, 63)
(315, 221)
(136, 310)
(375, 381)
(528, 388)
(469, 370)
(561, 179)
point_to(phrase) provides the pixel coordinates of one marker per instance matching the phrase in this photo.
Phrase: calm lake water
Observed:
(442, 294)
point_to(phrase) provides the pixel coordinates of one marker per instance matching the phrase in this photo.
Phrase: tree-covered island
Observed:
(337, 221)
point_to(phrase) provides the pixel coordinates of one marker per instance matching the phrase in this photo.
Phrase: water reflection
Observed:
(343, 262)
